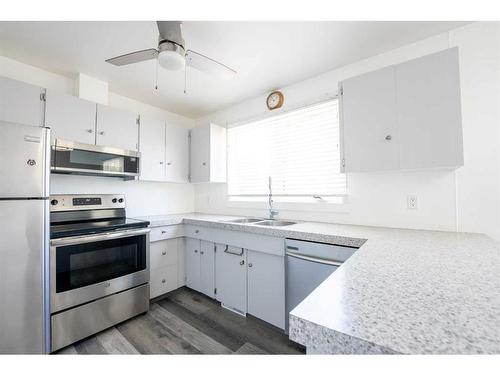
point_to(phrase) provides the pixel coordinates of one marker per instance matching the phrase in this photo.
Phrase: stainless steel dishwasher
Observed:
(308, 264)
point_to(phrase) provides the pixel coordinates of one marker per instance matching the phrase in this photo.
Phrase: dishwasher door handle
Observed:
(314, 259)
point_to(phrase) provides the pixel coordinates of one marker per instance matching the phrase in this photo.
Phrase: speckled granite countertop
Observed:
(403, 291)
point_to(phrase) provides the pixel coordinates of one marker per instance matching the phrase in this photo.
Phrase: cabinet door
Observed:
(368, 122)
(20, 102)
(177, 153)
(193, 264)
(429, 111)
(266, 287)
(231, 277)
(200, 154)
(70, 118)
(152, 147)
(207, 269)
(163, 280)
(117, 128)
(181, 262)
(163, 253)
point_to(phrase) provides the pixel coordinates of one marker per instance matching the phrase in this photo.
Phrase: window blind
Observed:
(298, 149)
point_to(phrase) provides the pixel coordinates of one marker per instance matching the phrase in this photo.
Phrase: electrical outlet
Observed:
(412, 202)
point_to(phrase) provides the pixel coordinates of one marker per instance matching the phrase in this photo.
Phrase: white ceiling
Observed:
(267, 55)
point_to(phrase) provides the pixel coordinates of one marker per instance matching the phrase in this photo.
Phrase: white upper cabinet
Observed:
(152, 148)
(20, 102)
(117, 128)
(208, 154)
(368, 112)
(429, 111)
(406, 116)
(70, 118)
(176, 153)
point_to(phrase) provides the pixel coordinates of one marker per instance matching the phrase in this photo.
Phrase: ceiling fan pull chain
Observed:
(185, 80)
(156, 85)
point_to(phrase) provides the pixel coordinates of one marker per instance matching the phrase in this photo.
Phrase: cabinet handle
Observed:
(388, 137)
(204, 163)
(242, 262)
(201, 252)
(161, 163)
(226, 250)
(169, 163)
(163, 232)
(163, 253)
(196, 251)
(90, 131)
(101, 133)
(196, 231)
(163, 281)
(250, 264)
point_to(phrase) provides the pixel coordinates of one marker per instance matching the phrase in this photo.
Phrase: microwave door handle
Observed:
(98, 237)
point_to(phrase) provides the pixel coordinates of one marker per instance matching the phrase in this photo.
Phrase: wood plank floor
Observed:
(186, 322)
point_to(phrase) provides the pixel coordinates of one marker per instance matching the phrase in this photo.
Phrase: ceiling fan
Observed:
(172, 54)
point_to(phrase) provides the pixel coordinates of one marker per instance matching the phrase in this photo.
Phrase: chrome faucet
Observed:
(272, 212)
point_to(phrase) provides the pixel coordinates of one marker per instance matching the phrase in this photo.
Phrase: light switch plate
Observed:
(412, 202)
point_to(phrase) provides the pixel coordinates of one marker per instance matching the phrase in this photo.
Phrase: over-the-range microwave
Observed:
(70, 157)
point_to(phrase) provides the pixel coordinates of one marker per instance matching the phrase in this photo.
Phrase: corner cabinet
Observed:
(403, 117)
(117, 128)
(200, 266)
(164, 151)
(20, 102)
(166, 260)
(152, 148)
(176, 153)
(208, 154)
(69, 117)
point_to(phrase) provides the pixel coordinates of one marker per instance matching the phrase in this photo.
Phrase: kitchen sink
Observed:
(274, 223)
(243, 221)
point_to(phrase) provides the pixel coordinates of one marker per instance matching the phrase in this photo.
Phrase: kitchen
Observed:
(172, 204)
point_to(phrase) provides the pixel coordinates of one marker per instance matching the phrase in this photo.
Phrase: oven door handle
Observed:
(98, 237)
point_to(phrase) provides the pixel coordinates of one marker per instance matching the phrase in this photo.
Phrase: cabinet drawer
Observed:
(163, 253)
(258, 242)
(164, 233)
(163, 280)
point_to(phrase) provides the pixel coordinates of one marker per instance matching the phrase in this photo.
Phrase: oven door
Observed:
(79, 158)
(86, 268)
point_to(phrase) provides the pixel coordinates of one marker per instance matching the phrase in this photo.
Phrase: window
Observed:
(298, 149)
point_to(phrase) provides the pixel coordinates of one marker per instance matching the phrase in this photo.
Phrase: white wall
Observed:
(465, 200)
(143, 198)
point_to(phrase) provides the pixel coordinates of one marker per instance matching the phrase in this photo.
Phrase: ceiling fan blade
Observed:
(170, 30)
(134, 57)
(206, 64)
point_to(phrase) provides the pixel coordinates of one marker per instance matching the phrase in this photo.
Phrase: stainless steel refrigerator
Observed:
(24, 238)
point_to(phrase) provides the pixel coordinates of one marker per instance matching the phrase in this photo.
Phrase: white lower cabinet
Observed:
(163, 280)
(166, 263)
(266, 287)
(200, 266)
(242, 280)
(231, 277)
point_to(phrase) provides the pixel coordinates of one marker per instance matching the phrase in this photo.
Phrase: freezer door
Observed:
(24, 161)
(22, 250)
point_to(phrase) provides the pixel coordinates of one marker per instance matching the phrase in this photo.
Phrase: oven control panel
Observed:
(70, 202)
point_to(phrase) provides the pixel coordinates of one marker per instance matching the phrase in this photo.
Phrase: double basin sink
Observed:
(261, 222)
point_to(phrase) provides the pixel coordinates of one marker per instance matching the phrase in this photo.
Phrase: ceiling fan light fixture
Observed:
(171, 56)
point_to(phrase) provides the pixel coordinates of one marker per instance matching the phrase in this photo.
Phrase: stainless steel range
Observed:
(99, 266)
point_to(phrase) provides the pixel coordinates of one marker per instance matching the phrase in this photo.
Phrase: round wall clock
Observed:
(275, 100)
